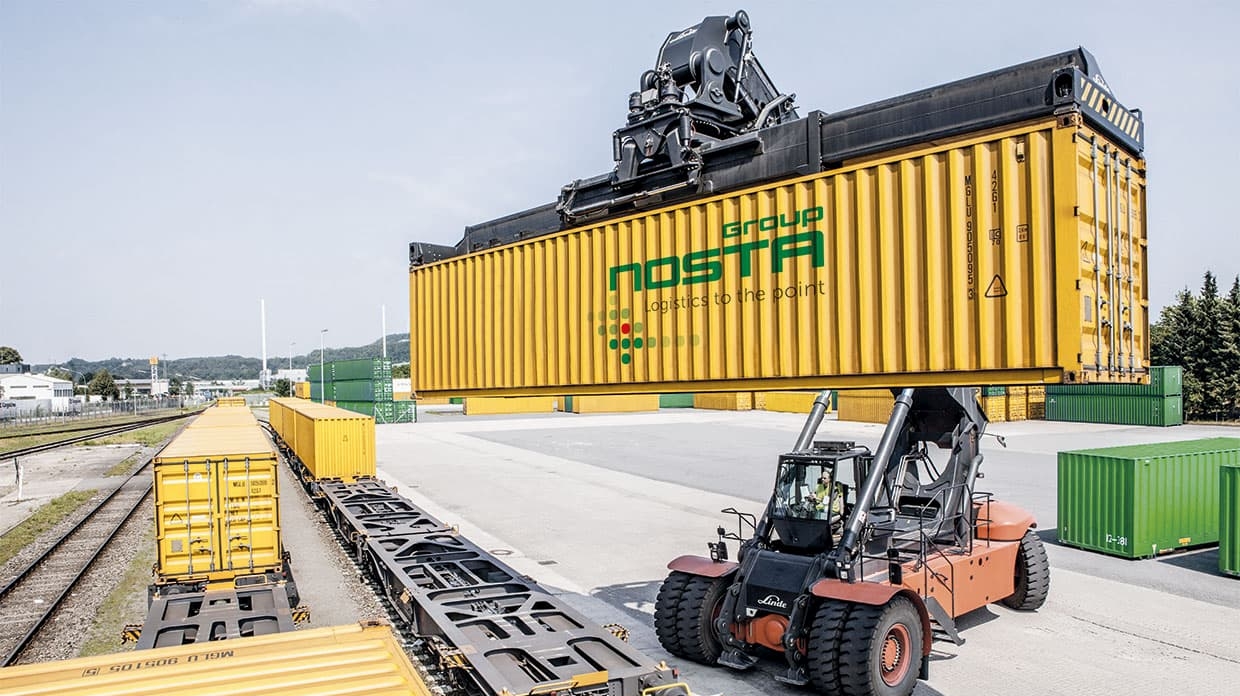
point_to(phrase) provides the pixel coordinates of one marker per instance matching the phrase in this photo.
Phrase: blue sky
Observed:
(164, 165)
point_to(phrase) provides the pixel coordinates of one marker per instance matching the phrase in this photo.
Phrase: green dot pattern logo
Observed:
(627, 337)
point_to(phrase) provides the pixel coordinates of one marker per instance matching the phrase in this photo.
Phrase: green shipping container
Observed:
(1166, 380)
(675, 401)
(1229, 519)
(362, 390)
(1117, 410)
(994, 391)
(1142, 500)
(377, 369)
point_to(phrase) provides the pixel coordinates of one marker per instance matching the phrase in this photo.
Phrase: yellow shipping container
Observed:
(963, 262)
(729, 401)
(485, 406)
(223, 417)
(230, 401)
(301, 390)
(613, 403)
(332, 443)
(789, 402)
(352, 659)
(217, 513)
(402, 396)
(995, 408)
(866, 405)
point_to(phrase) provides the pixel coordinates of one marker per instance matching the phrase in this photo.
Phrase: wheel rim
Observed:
(894, 658)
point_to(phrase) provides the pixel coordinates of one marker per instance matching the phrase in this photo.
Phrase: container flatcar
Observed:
(354, 659)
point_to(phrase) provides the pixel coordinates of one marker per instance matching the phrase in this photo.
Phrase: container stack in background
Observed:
(362, 386)
(1159, 403)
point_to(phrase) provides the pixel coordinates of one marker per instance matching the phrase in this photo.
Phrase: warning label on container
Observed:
(996, 289)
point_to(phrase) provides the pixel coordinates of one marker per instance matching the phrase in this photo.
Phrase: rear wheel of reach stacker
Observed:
(1032, 575)
(684, 614)
(880, 649)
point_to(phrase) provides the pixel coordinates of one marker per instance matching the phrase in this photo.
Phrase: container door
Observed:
(185, 499)
(248, 529)
(1112, 226)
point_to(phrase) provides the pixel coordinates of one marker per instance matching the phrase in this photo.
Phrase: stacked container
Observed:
(1143, 500)
(362, 386)
(1158, 403)
(866, 405)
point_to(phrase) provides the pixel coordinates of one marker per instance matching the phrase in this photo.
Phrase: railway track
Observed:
(32, 597)
(94, 433)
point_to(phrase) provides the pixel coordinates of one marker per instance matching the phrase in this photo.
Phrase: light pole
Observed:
(322, 375)
(290, 356)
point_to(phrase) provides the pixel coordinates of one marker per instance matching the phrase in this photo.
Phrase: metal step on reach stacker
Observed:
(861, 559)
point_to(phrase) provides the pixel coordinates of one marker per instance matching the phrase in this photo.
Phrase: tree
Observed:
(60, 373)
(174, 386)
(283, 387)
(103, 385)
(189, 388)
(9, 355)
(1214, 351)
(400, 371)
(1232, 368)
(128, 391)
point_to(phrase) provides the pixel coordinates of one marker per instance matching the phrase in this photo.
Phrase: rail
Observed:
(63, 564)
(97, 433)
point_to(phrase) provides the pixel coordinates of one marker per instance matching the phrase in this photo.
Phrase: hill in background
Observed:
(229, 367)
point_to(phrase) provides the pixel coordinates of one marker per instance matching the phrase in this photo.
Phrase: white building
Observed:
(33, 393)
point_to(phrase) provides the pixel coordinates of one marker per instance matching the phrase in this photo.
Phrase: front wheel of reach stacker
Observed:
(684, 615)
(880, 649)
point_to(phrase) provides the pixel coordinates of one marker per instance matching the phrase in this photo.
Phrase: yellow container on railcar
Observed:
(970, 260)
(334, 444)
(230, 401)
(280, 414)
(217, 513)
(226, 417)
(355, 658)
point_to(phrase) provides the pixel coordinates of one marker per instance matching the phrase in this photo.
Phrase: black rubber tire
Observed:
(666, 612)
(699, 602)
(866, 631)
(1032, 574)
(822, 660)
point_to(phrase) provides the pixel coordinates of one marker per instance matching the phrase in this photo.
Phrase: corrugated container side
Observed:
(301, 390)
(1142, 500)
(790, 402)
(866, 405)
(730, 401)
(361, 369)
(615, 403)
(1160, 411)
(335, 444)
(1229, 519)
(492, 405)
(995, 408)
(1165, 380)
(353, 659)
(989, 241)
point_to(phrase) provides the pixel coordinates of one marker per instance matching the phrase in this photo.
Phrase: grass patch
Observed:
(33, 435)
(123, 466)
(126, 604)
(149, 436)
(42, 520)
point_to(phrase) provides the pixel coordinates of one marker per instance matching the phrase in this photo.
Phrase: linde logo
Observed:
(706, 265)
(772, 600)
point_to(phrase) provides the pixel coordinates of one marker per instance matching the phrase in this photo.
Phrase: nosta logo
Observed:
(706, 265)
